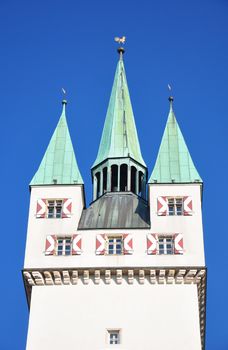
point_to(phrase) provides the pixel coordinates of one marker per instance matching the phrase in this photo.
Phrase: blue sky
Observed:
(46, 45)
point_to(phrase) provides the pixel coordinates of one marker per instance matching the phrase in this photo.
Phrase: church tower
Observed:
(127, 272)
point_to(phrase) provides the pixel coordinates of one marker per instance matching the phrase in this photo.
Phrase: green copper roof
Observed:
(59, 165)
(174, 162)
(119, 137)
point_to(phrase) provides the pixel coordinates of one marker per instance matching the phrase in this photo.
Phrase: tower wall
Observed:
(148, 316)
(189, 226)
(39, 228)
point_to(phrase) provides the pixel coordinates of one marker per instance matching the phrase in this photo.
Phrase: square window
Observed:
(64, 246)
(166, 245)
(175, 206)
(54, 208)
(114, 245)
(114, 336)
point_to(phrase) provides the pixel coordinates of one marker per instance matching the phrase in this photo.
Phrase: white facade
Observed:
(149, 312)
(148, 317)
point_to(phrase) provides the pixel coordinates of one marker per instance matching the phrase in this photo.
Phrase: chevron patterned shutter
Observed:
(187, 205)
(100, 244)
(152, 239)
(127, 244)
(67, 208)
(76, 245)
(178, 243)
(162, 206)
(50, 245)
(41, 208)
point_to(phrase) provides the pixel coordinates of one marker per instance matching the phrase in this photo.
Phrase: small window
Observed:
(114, 245)
(175, 206)
(114, 337)
(54, 208)
(64, 245)
(166, 245)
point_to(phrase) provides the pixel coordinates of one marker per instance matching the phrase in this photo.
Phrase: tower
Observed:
(128, 272)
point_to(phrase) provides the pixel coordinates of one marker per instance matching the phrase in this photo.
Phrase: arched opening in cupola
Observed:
(98, 183)
(133, 179)
(114, 178)
(141, 178)
(123, 177)
(105, 180)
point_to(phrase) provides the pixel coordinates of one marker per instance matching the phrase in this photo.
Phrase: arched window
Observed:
(105, 180)
(98, 177)
(133, 179)
(123, 177)
(141, 177)
(114, 178)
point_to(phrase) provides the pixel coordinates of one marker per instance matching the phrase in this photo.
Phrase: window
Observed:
(175, 206)
(114, 337)
(54, 208)
(63, 246)
(166, 245)
(114, 245)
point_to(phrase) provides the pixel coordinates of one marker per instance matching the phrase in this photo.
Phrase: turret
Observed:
(57, 198)
(175, 189)
(119, 166)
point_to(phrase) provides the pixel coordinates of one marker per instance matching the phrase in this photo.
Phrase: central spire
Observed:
(119, 137)
(119, 165)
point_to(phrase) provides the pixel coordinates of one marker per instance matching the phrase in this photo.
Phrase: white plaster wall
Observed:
(189, 226)
(39, 228)
(149, 316)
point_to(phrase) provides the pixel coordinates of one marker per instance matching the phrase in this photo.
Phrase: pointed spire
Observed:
(174, 162)
(59, 165)
(119, 138)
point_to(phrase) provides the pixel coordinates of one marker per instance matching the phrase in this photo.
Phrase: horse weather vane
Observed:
(120, 40)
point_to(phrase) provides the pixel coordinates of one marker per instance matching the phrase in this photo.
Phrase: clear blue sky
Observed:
(49, 44)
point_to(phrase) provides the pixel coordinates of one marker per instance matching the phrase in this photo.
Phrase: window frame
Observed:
(55, 207)
(114, 331)
(165, 249)
(175, 205)
(64, 245)
(114, 243)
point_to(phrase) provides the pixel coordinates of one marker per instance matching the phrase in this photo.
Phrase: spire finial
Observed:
(120, 41)
(171, 98)
(64, 101)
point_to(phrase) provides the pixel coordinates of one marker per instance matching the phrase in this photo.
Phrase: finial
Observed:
(170, 97)
(64, 101)
(120, 49)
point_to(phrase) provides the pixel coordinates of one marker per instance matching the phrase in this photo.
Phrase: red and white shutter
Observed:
(67, 208)
(41, 208)
(187, 205)
(162, 206)
(100, 244)
(178, 243)
(152, 239)
(76, 244)
(127, 244)
(50, 245)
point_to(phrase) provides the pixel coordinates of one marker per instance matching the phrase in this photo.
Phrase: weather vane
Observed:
(170, 97)
(120, 40)
(64, 96)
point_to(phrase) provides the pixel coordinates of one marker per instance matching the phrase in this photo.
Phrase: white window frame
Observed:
(115, 243)
(111, 340)
(175, 204)
(57, 203)
(64, 245)
(166, 241)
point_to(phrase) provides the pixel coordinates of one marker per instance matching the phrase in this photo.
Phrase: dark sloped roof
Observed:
(116, 210)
